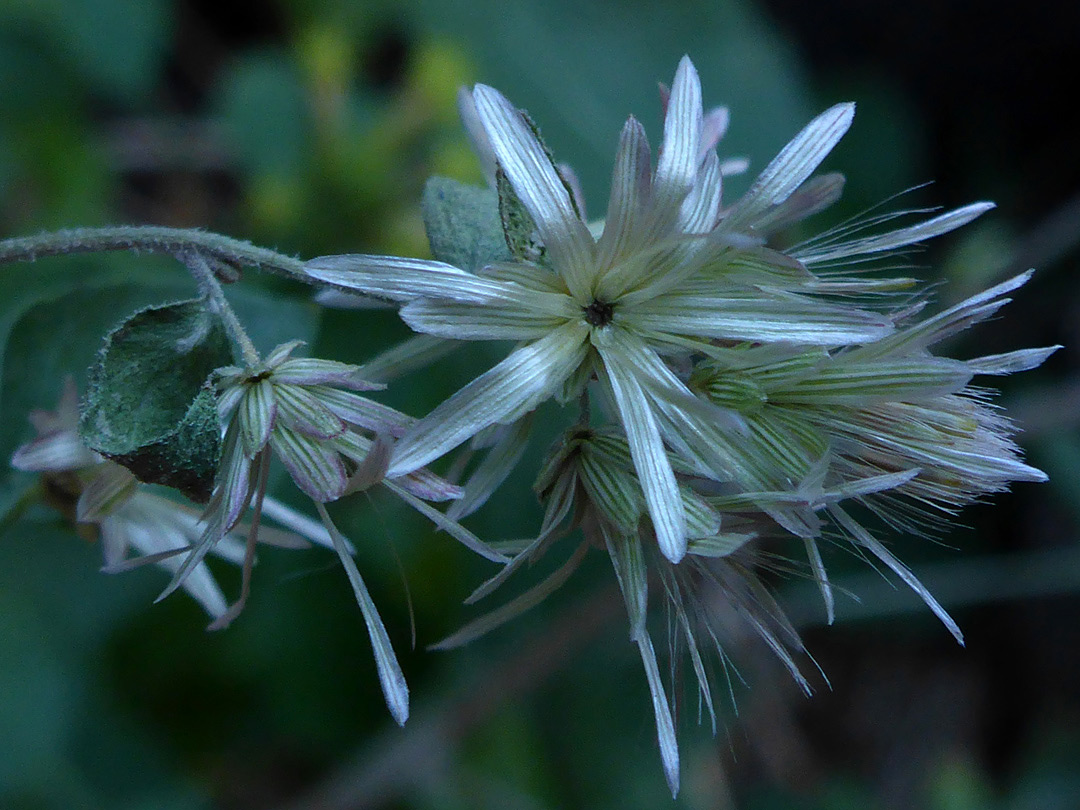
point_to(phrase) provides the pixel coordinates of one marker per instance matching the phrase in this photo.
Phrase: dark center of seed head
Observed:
(599, 313)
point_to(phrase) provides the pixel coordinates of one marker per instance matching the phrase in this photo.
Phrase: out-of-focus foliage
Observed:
(311, 126)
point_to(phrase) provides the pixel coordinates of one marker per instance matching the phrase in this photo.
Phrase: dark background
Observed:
(310, 126)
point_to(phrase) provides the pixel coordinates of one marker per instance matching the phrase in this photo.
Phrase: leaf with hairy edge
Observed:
(148, 407)
(463, 224)
(519, 228)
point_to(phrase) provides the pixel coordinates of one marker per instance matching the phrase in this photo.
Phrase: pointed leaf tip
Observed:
(793, 166)
(665, 724)
(395, 689)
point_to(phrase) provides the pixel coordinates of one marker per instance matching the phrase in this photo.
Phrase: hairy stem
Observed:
(222, 252)
(210, 287)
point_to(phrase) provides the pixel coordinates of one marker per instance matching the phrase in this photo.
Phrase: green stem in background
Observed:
(13, 510)
(224, 254)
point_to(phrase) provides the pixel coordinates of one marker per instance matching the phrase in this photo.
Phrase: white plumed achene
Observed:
(736, 395)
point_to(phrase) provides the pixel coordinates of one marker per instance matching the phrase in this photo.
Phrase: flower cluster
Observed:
(304, 412)
(332, 441)
(746, 391)
(736, 395)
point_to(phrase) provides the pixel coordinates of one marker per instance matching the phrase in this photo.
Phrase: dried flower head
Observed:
(589, 483)
(674, 274)
(306, 413)
(107, 499)
(750, 389)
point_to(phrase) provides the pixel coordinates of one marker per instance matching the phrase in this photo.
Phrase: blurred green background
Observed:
(310, 126)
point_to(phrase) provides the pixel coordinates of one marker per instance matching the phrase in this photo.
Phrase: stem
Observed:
(223, 250)
(211, 288)
(584, 409)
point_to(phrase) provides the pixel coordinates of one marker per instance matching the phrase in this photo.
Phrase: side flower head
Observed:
(588, 482)
(106, 499)
(754, 390)
(306, 413)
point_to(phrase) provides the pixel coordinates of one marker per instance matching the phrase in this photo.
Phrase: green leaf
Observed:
(51, 324)
(462, 223)
(518, 226)
(53, 315)
(39, 701)
(148, 406)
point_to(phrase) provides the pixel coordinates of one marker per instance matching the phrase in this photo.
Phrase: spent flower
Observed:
(672, 273)
(736, 394)
(589, 483)
(332, 441)
(124, 514)
(756, 390)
